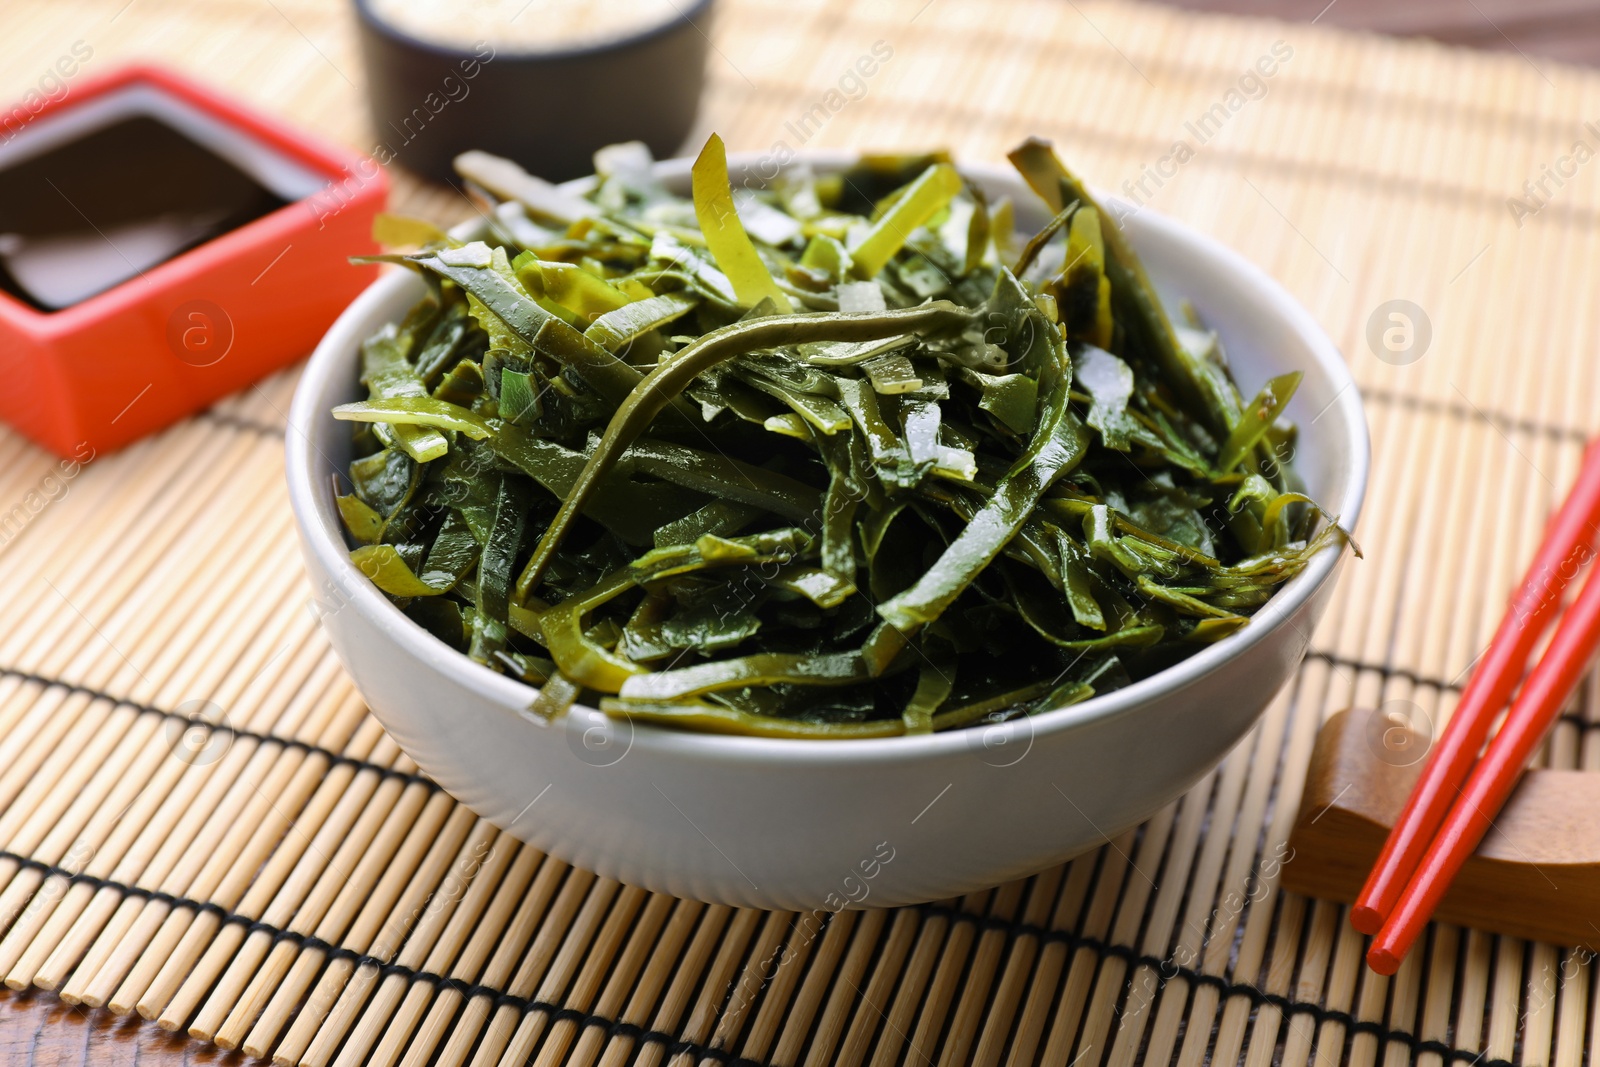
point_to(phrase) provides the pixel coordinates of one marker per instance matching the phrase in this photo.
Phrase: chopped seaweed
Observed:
(831, 459)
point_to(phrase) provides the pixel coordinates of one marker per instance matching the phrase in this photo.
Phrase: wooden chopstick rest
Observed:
(1536, 874)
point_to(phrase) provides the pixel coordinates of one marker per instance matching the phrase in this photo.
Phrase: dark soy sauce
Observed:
(95, 212)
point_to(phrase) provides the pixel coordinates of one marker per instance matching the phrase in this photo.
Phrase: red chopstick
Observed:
(1568, 542)
(1538, 705)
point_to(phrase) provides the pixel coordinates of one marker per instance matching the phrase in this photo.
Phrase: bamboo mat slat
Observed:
(200, 822)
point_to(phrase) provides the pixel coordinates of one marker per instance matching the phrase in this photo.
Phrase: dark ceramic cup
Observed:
(547, 110)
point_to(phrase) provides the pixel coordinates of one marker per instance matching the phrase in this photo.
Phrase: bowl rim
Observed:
(372, 21)
(335, 355)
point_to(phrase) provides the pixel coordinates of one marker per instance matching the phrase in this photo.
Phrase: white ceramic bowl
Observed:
(827, 824)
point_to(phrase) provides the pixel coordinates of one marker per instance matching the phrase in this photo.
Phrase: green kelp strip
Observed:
(837, 458)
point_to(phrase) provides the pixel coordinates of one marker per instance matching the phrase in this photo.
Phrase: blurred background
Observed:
(302, 58)
(1559, 29)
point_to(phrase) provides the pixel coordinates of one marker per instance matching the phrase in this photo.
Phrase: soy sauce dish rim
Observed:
(371, 21)
(331, 373)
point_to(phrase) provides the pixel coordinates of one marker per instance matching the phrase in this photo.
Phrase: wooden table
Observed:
(40, 1030)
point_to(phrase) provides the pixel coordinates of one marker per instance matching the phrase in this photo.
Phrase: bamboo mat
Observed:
(283, 881)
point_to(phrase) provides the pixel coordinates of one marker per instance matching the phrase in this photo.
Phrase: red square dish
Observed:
(104, 355)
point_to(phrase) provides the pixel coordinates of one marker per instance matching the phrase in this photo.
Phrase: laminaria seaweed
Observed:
(835, 458)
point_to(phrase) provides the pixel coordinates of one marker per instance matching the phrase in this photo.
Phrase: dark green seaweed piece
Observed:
(663, 385)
